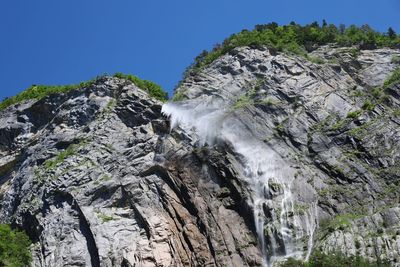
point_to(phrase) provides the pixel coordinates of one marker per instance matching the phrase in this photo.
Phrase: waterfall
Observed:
(280, 235)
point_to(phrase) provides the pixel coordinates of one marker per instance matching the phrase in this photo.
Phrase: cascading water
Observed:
(280, 233)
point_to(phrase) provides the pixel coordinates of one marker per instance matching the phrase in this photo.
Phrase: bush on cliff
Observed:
(334, 259)
(152, 88)
(14, 247)
(40, 91)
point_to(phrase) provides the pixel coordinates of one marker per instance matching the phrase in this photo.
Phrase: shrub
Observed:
(338, 259)
(341, 221)
(354, 114)
(354, 52)
(14, 247)
(395, 59)
(394, 78)
(245, 99)
(368, 105)
(52, 163)
(242, 102)
(152, 88)
(40, 91)
(291, 262)
(333, 259)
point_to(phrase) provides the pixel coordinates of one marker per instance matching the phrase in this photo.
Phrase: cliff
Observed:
(265, 156)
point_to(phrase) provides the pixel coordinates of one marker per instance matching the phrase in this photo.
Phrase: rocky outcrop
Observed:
(270, 156)
(95, 179)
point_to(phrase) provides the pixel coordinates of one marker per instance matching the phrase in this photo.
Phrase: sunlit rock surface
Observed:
(317, 143)
(268, 156)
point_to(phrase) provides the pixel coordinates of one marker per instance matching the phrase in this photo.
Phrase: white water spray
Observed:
(263, 169)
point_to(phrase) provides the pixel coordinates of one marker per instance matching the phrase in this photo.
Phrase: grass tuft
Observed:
(152, 88)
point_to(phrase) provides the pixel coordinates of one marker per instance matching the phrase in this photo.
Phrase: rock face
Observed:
(95, 179)
(271, 156)
(333, 182)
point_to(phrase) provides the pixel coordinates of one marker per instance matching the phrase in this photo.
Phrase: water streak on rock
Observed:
(278, 227)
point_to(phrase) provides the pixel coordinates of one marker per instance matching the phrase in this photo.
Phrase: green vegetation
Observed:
(249, 97)
(354, 52)
(357, 94)
(334, 259)
(377, 95)
(368, 105)
(280, 127)
(338, 259)
(51, 164)
(354, 114)
(339, 222)
(245, 99)
(323, 192)
(394, 78)
(300, 208)
(377, 92)
(40, 91)
(110, 105)
(316, 60)
(14, 247)
(69, 151)
(104, 218)
(342, 123)
(105, 177)
(291, 262)
(396, 59)
(297, 39)
(373, 97)
(152, 88)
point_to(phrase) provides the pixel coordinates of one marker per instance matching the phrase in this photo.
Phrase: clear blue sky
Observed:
(62, 42)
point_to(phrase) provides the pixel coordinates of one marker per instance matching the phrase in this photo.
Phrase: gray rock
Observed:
(97, 178)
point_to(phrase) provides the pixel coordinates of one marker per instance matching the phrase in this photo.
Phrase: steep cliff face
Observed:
(95, 179)
(318, 145)
(270, 156)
